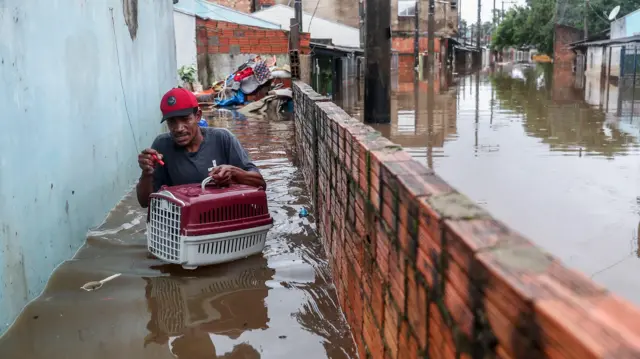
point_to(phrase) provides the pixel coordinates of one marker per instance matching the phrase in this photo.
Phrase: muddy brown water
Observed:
(279, 304)
(557, 163)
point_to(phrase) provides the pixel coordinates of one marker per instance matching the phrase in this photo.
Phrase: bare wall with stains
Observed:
(67, 151)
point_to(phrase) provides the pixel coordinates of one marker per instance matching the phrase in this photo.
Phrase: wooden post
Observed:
(377, 106)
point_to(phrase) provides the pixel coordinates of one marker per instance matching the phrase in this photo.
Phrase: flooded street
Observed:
(558, 164)
(280, 304)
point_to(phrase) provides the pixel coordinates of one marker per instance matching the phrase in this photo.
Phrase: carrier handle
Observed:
(206, 182)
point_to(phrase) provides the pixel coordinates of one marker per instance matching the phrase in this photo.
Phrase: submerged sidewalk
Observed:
(280, 304)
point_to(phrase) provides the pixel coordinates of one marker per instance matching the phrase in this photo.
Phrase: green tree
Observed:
(571, 13)
(533, 24)
(527, 25)
(463, 27)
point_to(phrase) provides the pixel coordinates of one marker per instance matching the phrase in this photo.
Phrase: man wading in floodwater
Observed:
(191, 153)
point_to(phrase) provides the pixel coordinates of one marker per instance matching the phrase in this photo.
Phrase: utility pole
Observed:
(416, 40)
(493, 15)
(459, 17)
(297, 7)
(431, 32)
(362, 29)
(479, 27)
(586, 13)
(377, 96)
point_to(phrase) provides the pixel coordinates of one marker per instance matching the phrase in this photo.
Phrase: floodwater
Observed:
(557, 163)
(279, 304)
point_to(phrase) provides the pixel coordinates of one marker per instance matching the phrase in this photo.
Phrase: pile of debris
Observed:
(256, 83)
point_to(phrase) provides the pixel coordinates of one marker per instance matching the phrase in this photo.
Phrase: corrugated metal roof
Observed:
(348, 50)
(622, 40)
(340, 34)
(207, 10)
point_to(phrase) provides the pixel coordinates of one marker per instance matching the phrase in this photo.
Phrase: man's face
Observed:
(184, 129)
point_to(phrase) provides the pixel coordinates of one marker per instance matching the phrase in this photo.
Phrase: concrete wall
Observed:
(615, 52)
(422, 271)
(342, 11)
(594, 92)
(628, 25)
(445, 16)
(67, 154)
(319, 28)
(240, 5)
(223, 46)
(185, 32)
(595, 56)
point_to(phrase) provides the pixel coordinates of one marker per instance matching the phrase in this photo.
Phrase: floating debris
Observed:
(91, 286)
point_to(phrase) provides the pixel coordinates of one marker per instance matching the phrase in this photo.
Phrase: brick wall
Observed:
(443, 26)
(220, 37)
(405, 45)
(406, 60)
(262, 3)
(563, 36)
(422, 271)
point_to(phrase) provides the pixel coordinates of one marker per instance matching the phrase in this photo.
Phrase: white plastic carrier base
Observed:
(193, 252)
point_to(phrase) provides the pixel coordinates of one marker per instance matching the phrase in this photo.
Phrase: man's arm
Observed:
(246, 172)
(144, 189)
(152, 176)
(249, 178)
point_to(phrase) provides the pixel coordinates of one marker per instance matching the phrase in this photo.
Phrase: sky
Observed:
(469, 9)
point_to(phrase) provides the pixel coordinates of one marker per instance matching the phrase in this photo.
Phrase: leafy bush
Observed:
(187, 73)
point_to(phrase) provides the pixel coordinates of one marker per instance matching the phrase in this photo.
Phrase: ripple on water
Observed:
(274, 305)
(537, 153)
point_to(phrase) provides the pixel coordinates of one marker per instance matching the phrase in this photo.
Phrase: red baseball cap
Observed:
(177, 102)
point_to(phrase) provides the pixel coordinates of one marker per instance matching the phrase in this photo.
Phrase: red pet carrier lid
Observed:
(210, 209)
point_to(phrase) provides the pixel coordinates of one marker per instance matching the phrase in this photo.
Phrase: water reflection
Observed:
(569, 126)
(189, 309)
(280, 304)
(557, 163)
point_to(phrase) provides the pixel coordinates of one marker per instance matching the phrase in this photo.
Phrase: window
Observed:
(406, 8)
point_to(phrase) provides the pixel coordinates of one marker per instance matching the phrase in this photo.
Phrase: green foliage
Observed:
(571, 13)
(529, 25)
(533, 23)
(187, 73)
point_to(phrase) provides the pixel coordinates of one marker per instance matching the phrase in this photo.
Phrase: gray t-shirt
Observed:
(219, 147)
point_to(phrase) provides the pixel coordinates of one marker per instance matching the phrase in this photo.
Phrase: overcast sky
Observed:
(469, 9)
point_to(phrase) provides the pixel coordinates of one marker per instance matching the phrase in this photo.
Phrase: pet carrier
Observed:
(196, 225)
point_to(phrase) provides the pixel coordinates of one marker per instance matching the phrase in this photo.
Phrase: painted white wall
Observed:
(185, 30)
(67, 152)
(595, 56)
(628, 25)
(593, 92)
(341, 35)
(615, 60)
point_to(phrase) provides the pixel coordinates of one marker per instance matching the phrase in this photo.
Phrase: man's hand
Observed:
(223, 175)
(146, 161)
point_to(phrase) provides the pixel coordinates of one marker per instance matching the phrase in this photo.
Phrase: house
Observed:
(403, 15)
(184, 17)
(220, 38)
(319, 28)
(614, 52)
